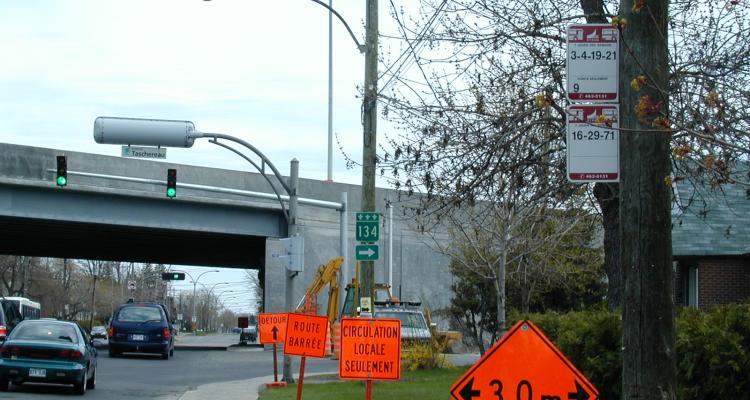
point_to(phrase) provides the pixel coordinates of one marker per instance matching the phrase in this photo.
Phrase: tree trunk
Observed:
(608, 197)
(648, 313)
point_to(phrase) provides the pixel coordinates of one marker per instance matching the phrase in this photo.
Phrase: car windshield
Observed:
(45, 331)
(409, 320)
(139, 314)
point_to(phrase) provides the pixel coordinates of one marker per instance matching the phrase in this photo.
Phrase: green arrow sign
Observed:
(367, 252)
(368, 227)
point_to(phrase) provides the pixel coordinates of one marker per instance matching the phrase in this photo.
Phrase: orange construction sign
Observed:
(271, 327)
(524, 364)
(306, 335)
(370, 349)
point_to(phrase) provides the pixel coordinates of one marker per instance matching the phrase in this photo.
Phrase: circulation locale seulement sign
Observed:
(370, 349)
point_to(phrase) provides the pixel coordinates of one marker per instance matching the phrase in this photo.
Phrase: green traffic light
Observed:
(62, 181)
(171, 192)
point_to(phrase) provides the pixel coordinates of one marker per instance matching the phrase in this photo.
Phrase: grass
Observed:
(424, 384)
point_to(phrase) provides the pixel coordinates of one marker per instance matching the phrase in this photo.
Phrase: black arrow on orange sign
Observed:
(468, 392)
(579, 394)
(275, 330)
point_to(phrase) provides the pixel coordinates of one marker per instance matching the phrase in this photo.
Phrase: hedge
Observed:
(712, 349)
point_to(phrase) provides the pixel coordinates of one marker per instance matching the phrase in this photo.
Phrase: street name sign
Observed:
(144, 152)
(271, 327)
(370, 349)
(367, 252)
(368, 227)
(523, 362)
(306, 335)
(593, 141)
(592, 64)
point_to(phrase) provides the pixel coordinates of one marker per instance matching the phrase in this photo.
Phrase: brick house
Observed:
(711, 244)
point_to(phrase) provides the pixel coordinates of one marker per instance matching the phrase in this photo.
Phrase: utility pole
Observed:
(369, 123)
(292, 230)
(645, 221)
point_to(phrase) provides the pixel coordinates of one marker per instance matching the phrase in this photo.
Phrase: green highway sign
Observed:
(366, 252)
(368, 227)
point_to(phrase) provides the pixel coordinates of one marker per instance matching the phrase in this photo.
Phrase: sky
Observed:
(257, 70)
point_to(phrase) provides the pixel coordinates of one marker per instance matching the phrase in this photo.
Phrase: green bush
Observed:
(712, 349)
(713, 353)
(592, 341)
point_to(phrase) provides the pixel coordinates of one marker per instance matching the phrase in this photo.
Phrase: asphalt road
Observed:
(150, 377)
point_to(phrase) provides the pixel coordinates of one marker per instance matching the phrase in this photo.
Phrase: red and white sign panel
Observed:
(592, 66)
(593, 141)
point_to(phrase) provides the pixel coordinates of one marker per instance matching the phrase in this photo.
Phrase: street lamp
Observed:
(195, 283)
(171, 133)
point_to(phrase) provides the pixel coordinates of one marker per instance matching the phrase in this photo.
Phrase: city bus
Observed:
(29, 309)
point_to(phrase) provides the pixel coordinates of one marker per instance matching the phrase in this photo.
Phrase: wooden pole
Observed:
(301, 377)
(275, 365)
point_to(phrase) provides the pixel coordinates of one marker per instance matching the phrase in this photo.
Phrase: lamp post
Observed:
(171, 133)
(195, 283)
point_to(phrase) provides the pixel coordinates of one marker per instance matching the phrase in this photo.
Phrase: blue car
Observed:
(140, 327)
(48, 351)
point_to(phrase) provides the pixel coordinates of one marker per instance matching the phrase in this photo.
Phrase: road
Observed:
(150, 377)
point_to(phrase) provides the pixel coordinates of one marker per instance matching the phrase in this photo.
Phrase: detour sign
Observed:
(370, 349)
(524, 364)
(271, 327)
(306, 335)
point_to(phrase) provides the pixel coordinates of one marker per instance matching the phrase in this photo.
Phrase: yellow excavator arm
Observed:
(326, 275)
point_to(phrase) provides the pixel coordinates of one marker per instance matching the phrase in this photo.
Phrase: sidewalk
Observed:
(248, 389)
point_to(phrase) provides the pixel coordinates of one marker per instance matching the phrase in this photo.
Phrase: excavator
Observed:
(327, 274)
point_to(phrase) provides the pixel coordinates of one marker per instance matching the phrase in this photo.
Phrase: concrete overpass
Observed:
(97, 216)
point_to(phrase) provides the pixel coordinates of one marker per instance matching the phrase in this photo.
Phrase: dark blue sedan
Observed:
(48, 351)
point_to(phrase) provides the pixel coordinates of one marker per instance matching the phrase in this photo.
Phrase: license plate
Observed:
(139, 337)
(37, 373)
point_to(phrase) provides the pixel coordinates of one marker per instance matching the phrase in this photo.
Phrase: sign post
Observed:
(305, 336)
(370, 350)
(523, 362)
(271, 330)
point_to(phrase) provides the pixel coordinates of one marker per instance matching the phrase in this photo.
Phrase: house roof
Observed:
(710, 220)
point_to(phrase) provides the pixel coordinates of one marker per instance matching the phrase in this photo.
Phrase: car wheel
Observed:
(112, 353)
(91, 383)
(171, 353)
(4, 384)
(165, 355)
(80, 387)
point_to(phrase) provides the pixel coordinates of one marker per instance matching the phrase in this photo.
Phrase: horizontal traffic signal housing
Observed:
(173, 276)
(62, 171)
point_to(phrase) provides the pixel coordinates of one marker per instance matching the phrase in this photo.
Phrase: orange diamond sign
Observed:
(523, 365)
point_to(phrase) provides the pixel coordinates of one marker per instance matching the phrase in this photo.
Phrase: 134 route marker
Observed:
(522, 363)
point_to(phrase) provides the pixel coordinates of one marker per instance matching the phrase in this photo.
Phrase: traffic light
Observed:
(62, 171)
(172, 184)
(173, 276)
